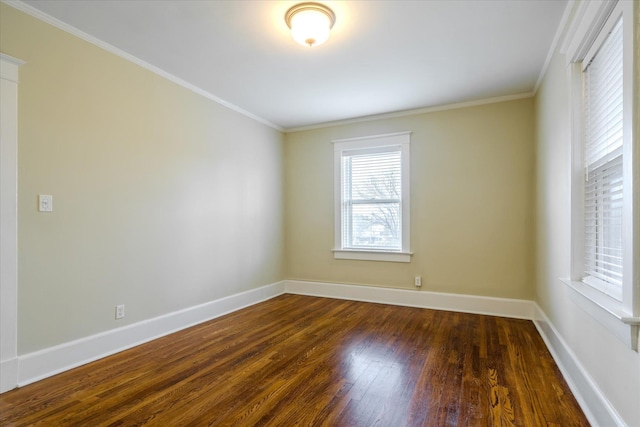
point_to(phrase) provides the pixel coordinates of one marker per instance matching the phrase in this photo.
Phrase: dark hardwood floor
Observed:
(305, 361)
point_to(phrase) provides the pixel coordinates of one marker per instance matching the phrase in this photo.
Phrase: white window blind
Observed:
(603, 157)
(372, 199)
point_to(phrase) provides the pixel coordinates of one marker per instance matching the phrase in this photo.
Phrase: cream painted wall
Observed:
(472, 207)
(162, 199)
(614, 368)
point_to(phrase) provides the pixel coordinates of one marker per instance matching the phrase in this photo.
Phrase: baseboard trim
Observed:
(8, 374)
(51, 361)
(503, 307)
(38, 365)
(593, 402)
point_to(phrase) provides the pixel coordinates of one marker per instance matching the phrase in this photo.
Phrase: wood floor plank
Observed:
(306, 361)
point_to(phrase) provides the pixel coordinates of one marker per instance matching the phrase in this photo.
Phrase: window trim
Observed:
(594, 20)
(401, 140)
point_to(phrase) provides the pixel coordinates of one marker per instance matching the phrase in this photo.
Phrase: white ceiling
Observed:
(382, 57)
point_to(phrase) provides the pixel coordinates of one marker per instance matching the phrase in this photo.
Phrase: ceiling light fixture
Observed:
(310, 23)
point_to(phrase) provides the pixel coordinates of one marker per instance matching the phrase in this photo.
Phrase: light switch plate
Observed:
(45, 203)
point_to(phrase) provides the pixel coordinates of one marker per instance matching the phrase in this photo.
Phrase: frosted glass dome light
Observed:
(310, 23)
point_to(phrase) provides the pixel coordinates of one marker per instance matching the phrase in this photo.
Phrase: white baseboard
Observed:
(41, 364)
(504, 307)
(593, 402)
(8, 374)
(50, 361)
(45, 363)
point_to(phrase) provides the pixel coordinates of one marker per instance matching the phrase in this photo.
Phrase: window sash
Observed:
(372, 199)
(603, 228)
(603, 165)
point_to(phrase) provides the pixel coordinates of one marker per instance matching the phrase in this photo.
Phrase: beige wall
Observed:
(614, 368)
(471, 202)
(162, 199)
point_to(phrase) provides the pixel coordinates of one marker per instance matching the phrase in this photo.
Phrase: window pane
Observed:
(372, 199)
(376, 225)
(603, 223)
(376, 176)
(603, 102)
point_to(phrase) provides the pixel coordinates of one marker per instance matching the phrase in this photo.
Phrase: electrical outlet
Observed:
(418, 281)
(119, 311)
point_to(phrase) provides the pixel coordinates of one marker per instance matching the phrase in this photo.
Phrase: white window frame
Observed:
(591, 26)
(401, 140)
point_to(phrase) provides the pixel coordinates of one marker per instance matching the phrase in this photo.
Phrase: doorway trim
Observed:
(9, 222)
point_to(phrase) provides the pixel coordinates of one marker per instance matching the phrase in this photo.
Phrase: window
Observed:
(603, 178)
(372, 198)
(604, 255)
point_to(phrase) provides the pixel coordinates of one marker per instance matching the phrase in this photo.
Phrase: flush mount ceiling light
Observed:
(310, 23)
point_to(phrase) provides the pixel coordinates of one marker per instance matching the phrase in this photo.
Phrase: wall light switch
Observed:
(45, 203)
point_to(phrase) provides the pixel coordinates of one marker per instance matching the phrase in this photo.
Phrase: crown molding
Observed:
(413, 112)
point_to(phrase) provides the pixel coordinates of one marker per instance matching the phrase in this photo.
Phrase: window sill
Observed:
(363, 255)
(607, 311)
